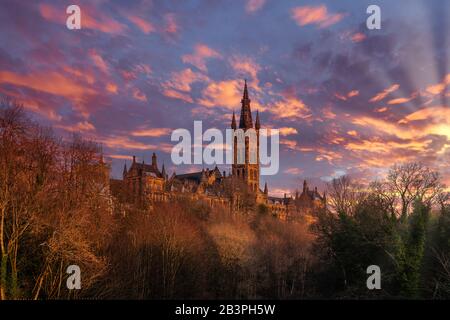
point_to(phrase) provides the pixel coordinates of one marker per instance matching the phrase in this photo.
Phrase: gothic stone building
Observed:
(146, 182)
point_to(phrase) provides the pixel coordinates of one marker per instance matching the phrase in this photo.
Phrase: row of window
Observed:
(253, 173)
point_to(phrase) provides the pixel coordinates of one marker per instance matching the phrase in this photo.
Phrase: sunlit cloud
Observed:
(358, 37)
(112, 88)
(201, 53)
(182, 80)
(317, 15)
(380, 96)
(78, 127)
(144, 25)
(440, 87)
(98, 61)
(49, 82)
(170, 93)
(290, 108)
(139, 95)
(403, 100)
(152, 132)
(222, 94)
(254, 5)
(296, 171)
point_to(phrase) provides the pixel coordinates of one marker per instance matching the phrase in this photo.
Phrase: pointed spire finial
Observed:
(154, 161)
(124, 174)
(233, 122)
(245, 122)
(163, 171)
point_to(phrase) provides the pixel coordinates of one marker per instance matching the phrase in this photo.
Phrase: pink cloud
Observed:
(144, 25)
(171, 25)
(201, 53)
(254, 5)
(358, 37)
(317, 15)
(98, 61)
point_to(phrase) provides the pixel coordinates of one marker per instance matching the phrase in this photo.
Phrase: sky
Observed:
(347, 100)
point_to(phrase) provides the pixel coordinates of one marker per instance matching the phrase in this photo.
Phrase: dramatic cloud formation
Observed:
(345, 99)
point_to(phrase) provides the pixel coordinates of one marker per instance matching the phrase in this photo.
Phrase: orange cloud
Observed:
(201, 54)
(183, 80)
(153, 132)
(403, 100)
(111, 87)
(221, 94)
(138, 95)
(317, 15)
(145, 26)
(350, 94)
(439, 88)
(295, 171)
(381, 110)
(178, 95)
(245, 66)
(49, 82)
(380, 96)
(290, 108)
(353, 93)
(98, 61)
(78, 127)
(286, 131)
(119, 156)
(358, 37)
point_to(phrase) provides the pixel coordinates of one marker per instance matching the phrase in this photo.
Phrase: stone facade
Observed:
(145, 182)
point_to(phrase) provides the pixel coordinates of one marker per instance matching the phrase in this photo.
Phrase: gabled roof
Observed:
(147, 169)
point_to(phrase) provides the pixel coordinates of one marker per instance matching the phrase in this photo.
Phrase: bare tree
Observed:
(413, 181)
(344, 195)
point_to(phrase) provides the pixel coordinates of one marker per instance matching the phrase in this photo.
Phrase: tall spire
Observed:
(257, 123)
(154, 161)
(163, 171)
(233, 122)
(245, 90)
(124, 174)
(245, 121)
(266, 191)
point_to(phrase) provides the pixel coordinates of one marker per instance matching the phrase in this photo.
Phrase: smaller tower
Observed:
(154, 161)
(233, 122)
(124, 173)
(163, 172)
(266, 190)
(257, 123)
